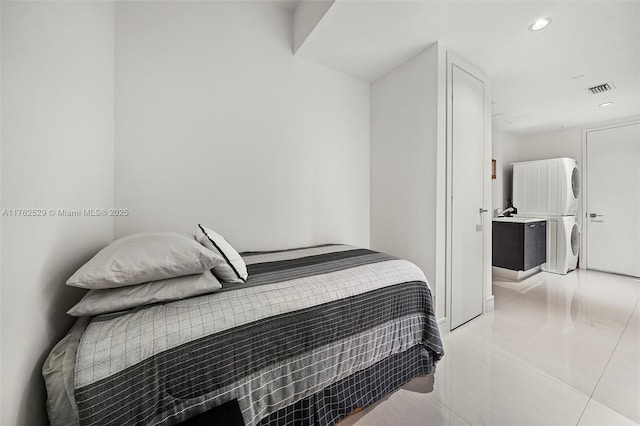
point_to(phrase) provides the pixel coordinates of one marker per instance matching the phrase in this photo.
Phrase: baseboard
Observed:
(489, 304)
(511, 275)
(443, 325)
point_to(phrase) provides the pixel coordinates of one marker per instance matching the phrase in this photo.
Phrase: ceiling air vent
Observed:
(601, 88)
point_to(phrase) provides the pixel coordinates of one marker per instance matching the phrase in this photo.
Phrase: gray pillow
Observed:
(97, 302)
(144, 257)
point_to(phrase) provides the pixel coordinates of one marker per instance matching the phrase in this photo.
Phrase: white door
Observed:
(467, 239)
(613, 200)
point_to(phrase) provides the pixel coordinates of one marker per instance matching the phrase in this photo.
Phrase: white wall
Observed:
(505, 150)
(57, 152)
(217, 122)
(406, 126)
(565, 143)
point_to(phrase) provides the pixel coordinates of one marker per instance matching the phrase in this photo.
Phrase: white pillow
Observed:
(97, 302)
(233, 269)
(144, 257)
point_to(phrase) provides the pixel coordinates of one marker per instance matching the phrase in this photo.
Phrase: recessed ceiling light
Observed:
(606, 104)
(539, 24)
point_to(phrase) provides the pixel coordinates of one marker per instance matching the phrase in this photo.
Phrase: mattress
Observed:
(334, 321)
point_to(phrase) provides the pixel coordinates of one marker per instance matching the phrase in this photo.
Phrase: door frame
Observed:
(582, 259)
(488, 298)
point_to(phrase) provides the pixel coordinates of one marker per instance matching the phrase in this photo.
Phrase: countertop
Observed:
(516, 219)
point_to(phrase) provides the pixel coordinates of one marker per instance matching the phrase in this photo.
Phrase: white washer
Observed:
(563, 244)
(546, 187)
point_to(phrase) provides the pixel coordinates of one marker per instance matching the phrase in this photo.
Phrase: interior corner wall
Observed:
(218, 123)
(505, 150)
(404, 161)
(306, 17)
(57, 153)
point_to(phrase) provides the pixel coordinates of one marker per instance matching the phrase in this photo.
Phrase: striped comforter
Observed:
(307, 322)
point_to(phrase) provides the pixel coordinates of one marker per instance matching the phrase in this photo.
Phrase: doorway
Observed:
(612, 199)
(469, 240)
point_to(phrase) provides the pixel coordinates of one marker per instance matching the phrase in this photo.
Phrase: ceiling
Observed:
(538, 78)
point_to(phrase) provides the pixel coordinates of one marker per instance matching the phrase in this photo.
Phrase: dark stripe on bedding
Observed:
(189, 371)
(285, 270)
(316, 259)
(358, 390)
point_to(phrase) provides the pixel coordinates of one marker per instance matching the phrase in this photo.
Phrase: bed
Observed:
(314, 334)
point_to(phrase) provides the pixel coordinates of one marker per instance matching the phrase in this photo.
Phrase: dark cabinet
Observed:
(519, 246)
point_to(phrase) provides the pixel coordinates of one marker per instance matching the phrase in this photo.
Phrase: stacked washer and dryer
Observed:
(549, 189)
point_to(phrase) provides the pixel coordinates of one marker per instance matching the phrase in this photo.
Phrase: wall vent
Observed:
(601, 88)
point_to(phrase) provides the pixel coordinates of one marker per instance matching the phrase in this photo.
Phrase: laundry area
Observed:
(540, 231)
(566, 213)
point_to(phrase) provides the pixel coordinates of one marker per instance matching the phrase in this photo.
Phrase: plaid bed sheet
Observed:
(305, 320)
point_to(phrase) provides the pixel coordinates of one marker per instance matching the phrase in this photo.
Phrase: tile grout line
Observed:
(452, 410)
(608, 361)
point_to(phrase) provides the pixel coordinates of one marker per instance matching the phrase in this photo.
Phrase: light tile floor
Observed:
(557, 350)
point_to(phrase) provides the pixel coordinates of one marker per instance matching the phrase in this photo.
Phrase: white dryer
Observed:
(563, 244)
(546, 187)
